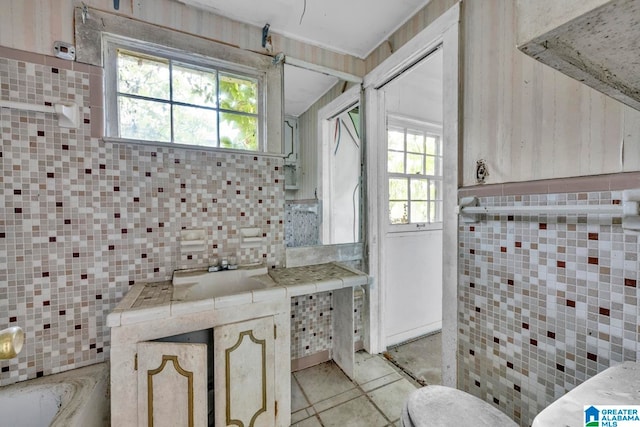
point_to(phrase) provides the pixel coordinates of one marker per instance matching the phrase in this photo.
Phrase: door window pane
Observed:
(398, 189)
(435, 190)
(415, 143)
(395, 140)
(395, 162)
(419, 189)
(435, 212)
(419, 212)
(398, 213)
(414, 167)
(432, 146)
(430, 167)
(415, 164)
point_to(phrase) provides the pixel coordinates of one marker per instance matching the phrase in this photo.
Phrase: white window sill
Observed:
(138, 142)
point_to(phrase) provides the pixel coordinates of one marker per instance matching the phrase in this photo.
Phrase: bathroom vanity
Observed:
(218, 341)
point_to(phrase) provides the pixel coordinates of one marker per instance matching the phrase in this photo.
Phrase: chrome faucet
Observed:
(11, 341)
(215, 266)
(225, 264)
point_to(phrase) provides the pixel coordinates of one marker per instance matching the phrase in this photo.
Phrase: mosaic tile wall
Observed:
(302, 223)
(82, 219)
(311, 324)
(545, 302)
(311, 327)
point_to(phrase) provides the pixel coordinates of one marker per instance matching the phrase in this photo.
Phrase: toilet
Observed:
(439, 406)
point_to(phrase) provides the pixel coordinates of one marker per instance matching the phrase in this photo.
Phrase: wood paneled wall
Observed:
(526, 120)
(529, 121)
(33, 25)
(406, 32)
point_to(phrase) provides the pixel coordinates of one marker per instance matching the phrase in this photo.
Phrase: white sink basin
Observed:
(197, 285)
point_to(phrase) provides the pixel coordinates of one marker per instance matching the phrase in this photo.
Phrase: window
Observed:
(174, 98)
(414, 170)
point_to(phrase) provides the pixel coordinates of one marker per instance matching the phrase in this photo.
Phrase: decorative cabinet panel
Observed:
(182, 351)
(172, 384)
(291, 149)
(244, 371)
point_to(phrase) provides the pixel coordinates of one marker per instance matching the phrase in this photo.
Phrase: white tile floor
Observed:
(324, 396)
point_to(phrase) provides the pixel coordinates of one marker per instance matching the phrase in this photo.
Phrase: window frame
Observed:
(407, 123)
(111, 43)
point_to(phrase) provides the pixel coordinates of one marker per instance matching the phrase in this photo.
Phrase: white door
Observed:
(412, 197)
(244, 369)
(442, 33)
(172, 384)
(414, 291)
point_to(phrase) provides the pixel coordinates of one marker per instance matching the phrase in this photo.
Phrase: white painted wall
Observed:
(344, 194)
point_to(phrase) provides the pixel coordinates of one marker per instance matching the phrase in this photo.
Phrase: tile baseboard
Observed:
(310, 360)
(318, 358)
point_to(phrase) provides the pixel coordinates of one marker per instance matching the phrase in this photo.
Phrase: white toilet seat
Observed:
(438, 406)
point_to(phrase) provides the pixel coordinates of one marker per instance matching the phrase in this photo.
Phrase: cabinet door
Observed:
(244, 365)
(172, 384)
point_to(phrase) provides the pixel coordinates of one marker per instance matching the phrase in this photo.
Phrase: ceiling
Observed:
(354, 27)
(302, 88)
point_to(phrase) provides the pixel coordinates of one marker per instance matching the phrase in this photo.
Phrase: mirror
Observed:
(323, 158)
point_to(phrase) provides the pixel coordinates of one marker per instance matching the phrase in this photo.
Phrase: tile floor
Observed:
(324, 396)
(421, 358)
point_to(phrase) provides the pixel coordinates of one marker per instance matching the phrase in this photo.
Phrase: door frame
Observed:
(443, 31)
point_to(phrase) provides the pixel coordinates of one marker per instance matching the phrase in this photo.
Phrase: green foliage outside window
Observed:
(162, 100)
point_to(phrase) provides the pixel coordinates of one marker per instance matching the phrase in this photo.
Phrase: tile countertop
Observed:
(151, 301)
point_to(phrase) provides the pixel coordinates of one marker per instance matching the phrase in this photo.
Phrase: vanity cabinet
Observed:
(173, 377)
(222, 360)
(244, 371)
(172, 384)
(206, 364)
